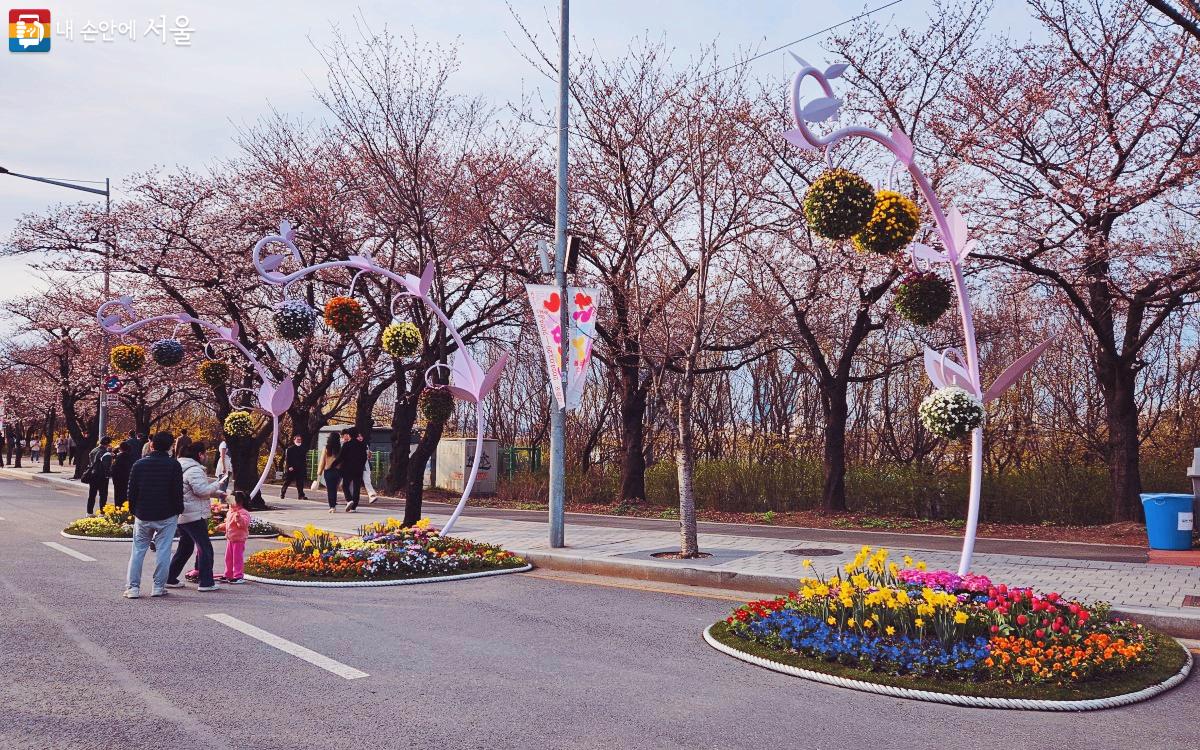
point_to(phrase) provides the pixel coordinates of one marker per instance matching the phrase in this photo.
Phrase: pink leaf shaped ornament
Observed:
(1015, 370)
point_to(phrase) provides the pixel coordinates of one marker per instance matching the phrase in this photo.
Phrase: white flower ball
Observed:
(951, 412)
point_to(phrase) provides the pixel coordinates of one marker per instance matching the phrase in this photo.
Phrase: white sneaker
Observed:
(371, 499)
(158, 592)
(132, 593)
(176, 585)
(213, 587)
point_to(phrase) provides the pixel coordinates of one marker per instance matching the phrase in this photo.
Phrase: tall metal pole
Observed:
(102, 407)
(558, 417)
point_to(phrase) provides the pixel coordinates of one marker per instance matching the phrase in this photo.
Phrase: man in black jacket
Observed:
(351, 462)
(295, 461)
(156, 500)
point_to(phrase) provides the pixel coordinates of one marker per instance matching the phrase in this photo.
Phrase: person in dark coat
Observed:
(127, 453)
(295, 461)
(100, 465)
(350, 464)
(156, 500)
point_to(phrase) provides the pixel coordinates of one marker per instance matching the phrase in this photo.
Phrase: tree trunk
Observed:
(404, 416)
(1118, 384)
(243, 453)
(414, 486)
(633, 435)
(835, 410)
(48, 445)
(685, 461)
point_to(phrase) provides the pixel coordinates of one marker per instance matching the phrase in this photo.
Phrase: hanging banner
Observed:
(547, 306)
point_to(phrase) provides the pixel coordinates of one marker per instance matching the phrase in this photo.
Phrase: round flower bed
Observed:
(115, 523)
(127, 357)
(951, 412)
(838, 204)
(213, 373)
(934, 635)
(381, 554)
(401, 339)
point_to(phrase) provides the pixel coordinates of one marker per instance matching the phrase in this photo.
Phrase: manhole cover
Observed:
(813, 552)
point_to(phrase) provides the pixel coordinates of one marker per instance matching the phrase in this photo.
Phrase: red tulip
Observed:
(991, 605)
(1084, 615)
(1074, 608)
(1003, 589)
(1040, 633)
(995, 628)
(1022, 620)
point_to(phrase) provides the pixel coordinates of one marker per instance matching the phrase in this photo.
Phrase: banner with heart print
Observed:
(547, 307)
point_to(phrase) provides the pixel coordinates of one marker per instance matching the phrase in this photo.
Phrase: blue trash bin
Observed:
(1168, 520)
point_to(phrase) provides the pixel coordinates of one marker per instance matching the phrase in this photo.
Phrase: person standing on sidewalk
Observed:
(372, 495)
(295, 460)
(198, 491)
(60, 449)
(96, 474)
(328, 470)
(156, 500)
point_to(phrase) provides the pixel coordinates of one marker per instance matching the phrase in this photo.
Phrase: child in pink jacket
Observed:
(237, 530)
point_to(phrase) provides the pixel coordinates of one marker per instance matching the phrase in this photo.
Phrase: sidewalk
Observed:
(770, 560)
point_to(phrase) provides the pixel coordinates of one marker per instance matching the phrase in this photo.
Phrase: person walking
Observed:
(372, 495)
(237, 530)
(35, 450)
(3, 442)
(155, 500)
(71, 451)
(97, 473)
(198, 490)
(328, 471)
(60, 449)
(122, 465)
(224, 470)
(351, 463)
(295, 460)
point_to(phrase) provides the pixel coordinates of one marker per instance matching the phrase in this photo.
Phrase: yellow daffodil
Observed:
(889, 630)
(960, 618)
(919, 622)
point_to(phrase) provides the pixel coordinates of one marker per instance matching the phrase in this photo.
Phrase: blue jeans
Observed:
(161, 532)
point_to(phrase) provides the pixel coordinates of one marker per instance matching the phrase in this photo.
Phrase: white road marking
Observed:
(68, 551)
(295, 649)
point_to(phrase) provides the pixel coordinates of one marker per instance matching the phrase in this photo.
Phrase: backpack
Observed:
(95, 469)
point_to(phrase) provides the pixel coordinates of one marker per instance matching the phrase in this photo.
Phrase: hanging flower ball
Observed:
(838, 204)
(213, 373)
(923, 297)
(344, 314)
(167, 352)
(127, 357)
(239, 424)
(951, 412)
(436, 404)
(294, 319)
(893, 224)
(401, 339)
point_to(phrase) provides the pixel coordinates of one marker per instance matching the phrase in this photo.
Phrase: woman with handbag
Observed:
(327, 470)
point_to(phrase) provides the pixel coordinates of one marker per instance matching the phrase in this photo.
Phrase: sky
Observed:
(129, 101)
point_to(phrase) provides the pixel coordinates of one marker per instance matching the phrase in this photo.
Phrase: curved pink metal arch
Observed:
(947, 367)
(470, 382)
(273, 398)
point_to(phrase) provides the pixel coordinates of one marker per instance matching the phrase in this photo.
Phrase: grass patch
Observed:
(1169, 658)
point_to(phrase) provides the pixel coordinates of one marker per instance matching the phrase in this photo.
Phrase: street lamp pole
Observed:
(102, 405)
(558, 417)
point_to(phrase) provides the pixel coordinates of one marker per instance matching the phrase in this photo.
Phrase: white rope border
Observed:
(220, 538)
(1023, 704)
(390, 582)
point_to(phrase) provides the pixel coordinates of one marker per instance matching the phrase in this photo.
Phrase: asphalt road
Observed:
(507, 662)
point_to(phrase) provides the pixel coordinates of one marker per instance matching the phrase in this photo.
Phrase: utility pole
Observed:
(101, 405)
(558, 417)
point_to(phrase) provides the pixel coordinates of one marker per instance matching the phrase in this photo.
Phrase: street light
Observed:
(102, 405)
(558, 417)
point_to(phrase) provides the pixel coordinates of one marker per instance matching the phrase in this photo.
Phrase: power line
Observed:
(806, 38)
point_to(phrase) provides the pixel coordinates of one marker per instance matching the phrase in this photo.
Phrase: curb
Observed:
(1019, 704)
(220, 538)
(395, 582)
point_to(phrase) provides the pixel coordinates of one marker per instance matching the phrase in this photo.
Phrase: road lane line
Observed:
(68, 551)
(295, 649)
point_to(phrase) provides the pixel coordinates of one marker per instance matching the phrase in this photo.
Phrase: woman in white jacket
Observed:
(198, 490)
